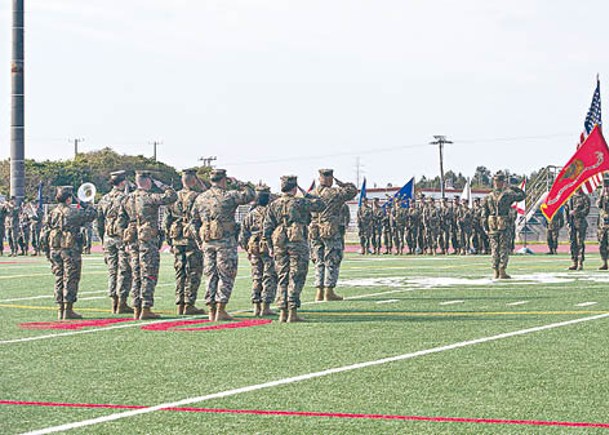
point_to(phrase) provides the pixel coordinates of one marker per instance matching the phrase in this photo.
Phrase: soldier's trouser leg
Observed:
(111, 256)
(11, 241)
(2, 237)
(220, 268)
(179, 266)
(318, 254)
(123, 282)
(333, 251)
(58, 273)
(299, 266)
(603, 240)
(210, 271)
(581, 243)
(497, 241)
(282, 263)
(136, 273)
(72, 265)
(269, 278)
(257, 272)
(194, 272)
(149, 264)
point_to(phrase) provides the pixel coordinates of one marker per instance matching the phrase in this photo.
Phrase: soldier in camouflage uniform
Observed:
(63, 247)
(414, 226)
(399, 218)
(497, 206)
(12, 226)
(142, 208)
(183, 239)
(603, 224)
(251, 239)
(364, 226)
(446, 219)
(214, 214)
(464, 222)
(479, 237)
(387, 227)
(431, 224)
(577, 210)
(3, 213)
(377, 225)
(35, 228)
(24, 229)
(553, 230)
(87, 235)
(324, 232)
(110, 224)
(285, 232)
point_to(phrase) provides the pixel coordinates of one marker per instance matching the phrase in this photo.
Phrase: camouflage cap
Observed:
(499, 176)
(218, 173)
(288, 182)
(143, 173)
(118, 176)
(189, 171)
(326, 172)
(263, 188)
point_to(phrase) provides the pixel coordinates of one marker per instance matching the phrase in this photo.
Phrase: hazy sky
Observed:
(288, 86)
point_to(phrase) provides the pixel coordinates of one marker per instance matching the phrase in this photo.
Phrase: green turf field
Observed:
(441, 317)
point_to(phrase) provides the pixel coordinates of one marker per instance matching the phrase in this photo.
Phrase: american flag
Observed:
(592, 118)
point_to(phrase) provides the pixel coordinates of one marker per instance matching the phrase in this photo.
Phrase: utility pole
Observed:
(155, 144)
(76, 142)
(207, 161)
(440, 141)
(358, 170)
(17, 105)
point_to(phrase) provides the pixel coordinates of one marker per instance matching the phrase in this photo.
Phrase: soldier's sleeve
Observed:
(195, 214)
(169, 196)
(270, 223)
(168, 219)
(100, 221)
(245, 233)
(316, 204)
(347, 191)
(244, 196)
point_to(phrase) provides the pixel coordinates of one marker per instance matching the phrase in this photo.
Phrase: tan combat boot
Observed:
(573, 266)
(180, 309)
(212, 313)
(123, 308)
(580, 265)
(221, 313)
(604, 266)
(266, 310)
(503, 274)
(191, 310)
(293, 316)
(257, 309)
(69, 313)
(137, 312)
(331, 296)
(114, 304)
(60, 312)
(283, 315)
(495, 273)
(319, 295)
(148, 314)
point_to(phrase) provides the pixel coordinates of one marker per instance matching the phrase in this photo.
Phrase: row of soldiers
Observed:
(426, 226)
(20, 226)
(279, 234)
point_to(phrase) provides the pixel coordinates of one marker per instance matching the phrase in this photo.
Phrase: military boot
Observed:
(221, 313)
(192, 310)
(495, 273)
(319, 295)
(331, 296)
(137, 312)
(580, 265)
(293, 316)
(114, 304)
(604, 266)
(503, 274)
(123, 308)
(266, 310)
(283, 315)
(180, 309)
(573, 266)
(60, 312)
(257, 309)
(212, 312)
(69, 313)
(148, 314)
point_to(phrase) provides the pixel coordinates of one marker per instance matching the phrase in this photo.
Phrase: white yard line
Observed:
(586, 304)
(49, 296)
(513, 304)
(389, 301)
(305, 377)
(452, 302)
(90, 298)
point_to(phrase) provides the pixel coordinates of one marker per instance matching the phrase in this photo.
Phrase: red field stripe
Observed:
(319, 414)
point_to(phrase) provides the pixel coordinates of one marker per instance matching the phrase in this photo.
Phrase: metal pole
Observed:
(440, 141)
(17, 105)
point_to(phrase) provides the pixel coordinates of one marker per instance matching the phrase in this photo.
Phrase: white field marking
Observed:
(452, 302)
(48, 296)
(30, 275)
(98, 297)
(307, 376)
(513, 304)
(388, 301)
(586, 304)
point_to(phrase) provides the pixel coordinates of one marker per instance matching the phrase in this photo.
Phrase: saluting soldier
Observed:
(251, 239)
(324, 232)
(603, 224)
(285, 232)
(497, 206)
(182, 237)
(214, 214)
(577, 210)
(110, 224)
(62, 244)
(364, 226)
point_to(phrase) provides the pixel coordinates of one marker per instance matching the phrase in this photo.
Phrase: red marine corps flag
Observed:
(592, 158)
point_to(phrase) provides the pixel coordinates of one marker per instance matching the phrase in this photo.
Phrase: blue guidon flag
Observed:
(362, 193)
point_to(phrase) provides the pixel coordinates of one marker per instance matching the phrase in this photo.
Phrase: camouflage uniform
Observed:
(577, 210)
(251, 239)
(431, 224)
(553, 230)
(285, 231)
(12, 227)
(63, 247)
(364, 226)
(377, 226)
(110, 224)
(87, 235)
(414, 227)
(603, 226)
(214, 213)
(479, 236)
(24, 230)
(497, 206)
(324, 232)
(188, 258)
(446, 221)
(387, 228)
(399, 216)
(464, 222)
(35, 228)
(3, 213)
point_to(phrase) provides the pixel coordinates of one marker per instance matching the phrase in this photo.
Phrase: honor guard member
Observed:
(553, 230)
(182, 237)
(264, 275)
(577, 210)
(3, 213)
(364, 226)
(497, 206)
(12, 226)
(324, 232)
(214, 216)
(62, 244)
(285, 232)
(603, 224)
(146, 205)
(110, 224)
